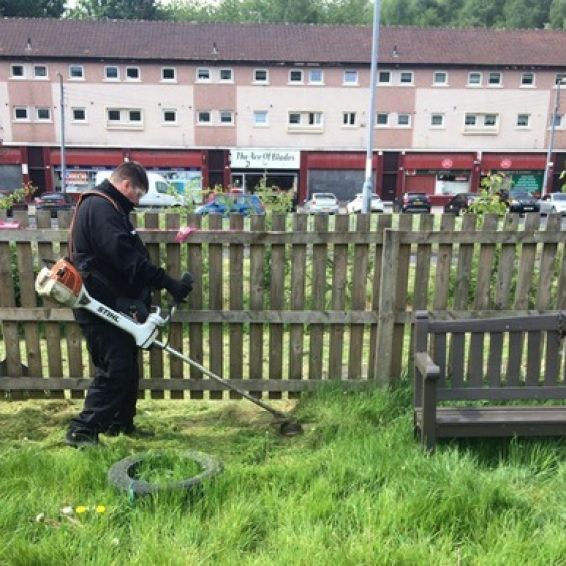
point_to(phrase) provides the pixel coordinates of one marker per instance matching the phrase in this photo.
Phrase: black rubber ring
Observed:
(119, 474)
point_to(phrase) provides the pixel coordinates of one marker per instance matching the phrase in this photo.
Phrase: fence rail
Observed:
(283, 303)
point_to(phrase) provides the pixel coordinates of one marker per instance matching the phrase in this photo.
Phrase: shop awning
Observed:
(512, 162)
(167, 159)
(439, 161)
(88, 157)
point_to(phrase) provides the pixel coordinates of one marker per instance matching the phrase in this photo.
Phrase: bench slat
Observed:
(457, 347)
(439, 356)
(504, 393)
(552, 358)
(514, 358)
(475, 358)
(534, 350)
(495, 357)
(507, 324)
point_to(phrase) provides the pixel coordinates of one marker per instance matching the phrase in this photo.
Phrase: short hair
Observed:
(131, 171)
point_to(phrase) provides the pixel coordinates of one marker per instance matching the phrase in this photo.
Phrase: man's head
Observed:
(130, 179)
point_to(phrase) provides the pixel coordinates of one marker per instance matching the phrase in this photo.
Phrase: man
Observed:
(115, 266)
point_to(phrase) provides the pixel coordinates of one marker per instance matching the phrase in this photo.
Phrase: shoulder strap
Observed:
(79, 202)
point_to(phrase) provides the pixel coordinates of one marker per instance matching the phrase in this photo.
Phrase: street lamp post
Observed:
(62, 107)
(549, 163)
(370, 122)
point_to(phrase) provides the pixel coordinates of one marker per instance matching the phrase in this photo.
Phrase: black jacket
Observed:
(108, 252)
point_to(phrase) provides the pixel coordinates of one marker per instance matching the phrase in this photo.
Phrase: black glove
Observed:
(179, 288)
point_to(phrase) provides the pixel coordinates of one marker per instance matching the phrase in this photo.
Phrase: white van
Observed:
(158, 194)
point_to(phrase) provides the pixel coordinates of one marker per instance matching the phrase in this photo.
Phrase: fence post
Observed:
(386, 313)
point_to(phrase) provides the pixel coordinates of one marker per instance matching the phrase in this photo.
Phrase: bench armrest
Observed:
(426, 367)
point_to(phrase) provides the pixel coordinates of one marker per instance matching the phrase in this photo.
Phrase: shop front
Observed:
(522, 171)
(251, 168)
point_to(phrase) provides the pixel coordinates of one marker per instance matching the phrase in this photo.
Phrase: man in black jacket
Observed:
(116, 270)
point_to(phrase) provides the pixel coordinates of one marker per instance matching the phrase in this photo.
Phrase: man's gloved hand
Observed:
(179, 288)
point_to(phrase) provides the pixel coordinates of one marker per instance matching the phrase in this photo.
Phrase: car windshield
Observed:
(520, 194)
(325, 198)
(559, 196)
(54, 197)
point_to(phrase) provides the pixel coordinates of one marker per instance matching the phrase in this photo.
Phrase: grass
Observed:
(354, 489)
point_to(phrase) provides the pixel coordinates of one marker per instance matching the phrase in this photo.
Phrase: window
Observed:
(76, 72)
(79, 115)
(350, 77)
(21, 113)
(261, 76)
(133, 73)
(203, 117)
(169, 116)
(226, 75)
(404, 120)
(306, 120)
(226, 117)
(114, 115)
(260, 118)
(203, 74)
(296, 76)
(135, 115)
(558, 120)
(349, 119)
(560, 78)
(384, 77)
(43, 114)
(40, 71)
(440, 78)
(406, 77)
(437, 120)
(494, 79)
(112, 73)
(382, 119)
(527, 79)
(523, 120)
(17, 71)
(125, 117)
(294, 118)
(470, 120)
(481, 123)
(168, 74)
(474, 79)
(316, 76)
(490, 120)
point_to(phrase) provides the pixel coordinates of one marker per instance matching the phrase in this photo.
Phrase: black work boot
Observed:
(81, 438)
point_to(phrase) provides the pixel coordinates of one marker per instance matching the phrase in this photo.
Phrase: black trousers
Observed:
(111, 398)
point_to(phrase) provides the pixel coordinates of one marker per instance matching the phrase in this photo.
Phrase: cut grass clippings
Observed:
(354, 489)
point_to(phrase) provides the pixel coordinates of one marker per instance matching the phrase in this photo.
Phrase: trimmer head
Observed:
(290, 427)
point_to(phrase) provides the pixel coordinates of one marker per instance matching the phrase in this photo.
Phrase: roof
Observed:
(277, 43)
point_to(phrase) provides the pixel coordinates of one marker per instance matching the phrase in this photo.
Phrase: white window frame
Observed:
(225, 112)
(75, 66)
(168, 80)
(16, 119)
(528, 85)
(387, 116)
(261, 124)
(203, 80)
(346, 119)
(498, 84)
(440, 126)
(387, 82)
(17, 77)
(438, 83)
(309, 121)
(478, 84)
(230, 80)
(165, 122)
(411, 82)
(313, 82)
(481, 127)
(124, 122)
(558, 122)
(523, 126)
(41, 77)
(475, 121)
(132, 79)
(559, 78)
(300, 82)
(351, 83)
(111, 79)
(409, 120)
(204, 122)
(38, 119)
(261, 81)
(75, 120)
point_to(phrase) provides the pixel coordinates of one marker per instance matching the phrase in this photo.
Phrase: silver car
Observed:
(355, 205)
(321, 203)
(553, 203)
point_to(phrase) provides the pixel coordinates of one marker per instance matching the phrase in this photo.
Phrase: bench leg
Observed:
(428, 436)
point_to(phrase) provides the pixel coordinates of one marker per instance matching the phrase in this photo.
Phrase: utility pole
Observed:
(549, 163)
(370, 122)
(62, 107)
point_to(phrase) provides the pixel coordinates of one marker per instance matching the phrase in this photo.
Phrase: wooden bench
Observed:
(457, 362)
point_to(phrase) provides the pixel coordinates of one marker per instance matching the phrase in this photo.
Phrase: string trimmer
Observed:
(63, 284)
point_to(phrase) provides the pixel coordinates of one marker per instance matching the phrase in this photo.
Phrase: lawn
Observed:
(354, 489)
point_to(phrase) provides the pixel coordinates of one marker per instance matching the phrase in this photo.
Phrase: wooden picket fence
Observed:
(284, 303)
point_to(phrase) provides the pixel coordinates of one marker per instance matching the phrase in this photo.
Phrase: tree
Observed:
(347, 12)
(32, 8)
(526, 13)
(117, 9)
(557, 15)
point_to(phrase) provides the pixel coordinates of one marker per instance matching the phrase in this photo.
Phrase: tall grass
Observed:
(354, 489)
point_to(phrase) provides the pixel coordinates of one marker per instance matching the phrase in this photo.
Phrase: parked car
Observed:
(355, 205)
(54, 202)
(553, 203)
(519, 200)
(321, 203)
(460, 203)
(412, 202)
(232, 203)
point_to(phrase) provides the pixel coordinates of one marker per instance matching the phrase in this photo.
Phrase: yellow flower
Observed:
(101, 508)
(81, 509)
